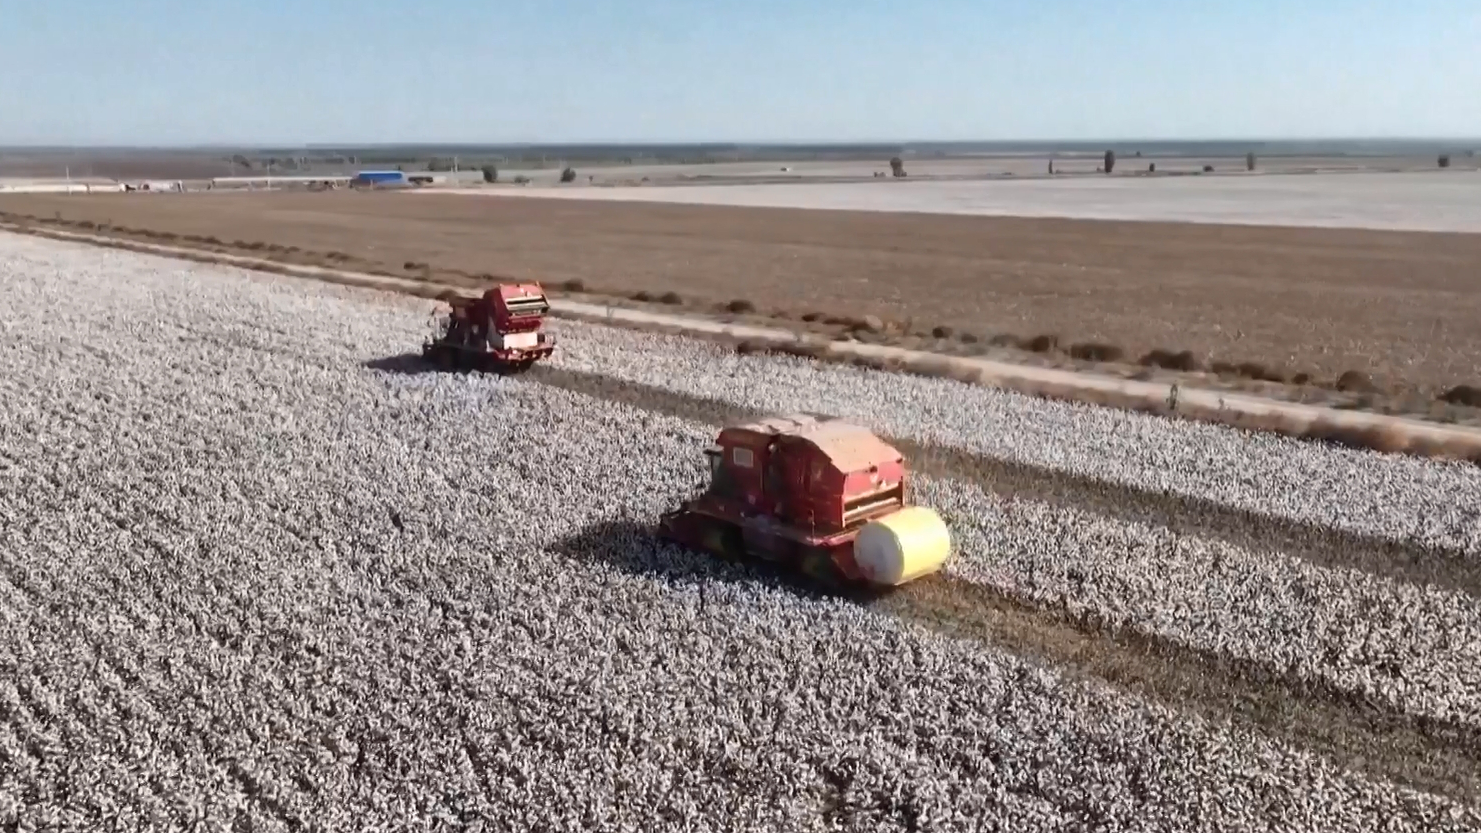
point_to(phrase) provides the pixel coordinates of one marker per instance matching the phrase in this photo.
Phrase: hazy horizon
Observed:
(1379, 143)
(270, 73)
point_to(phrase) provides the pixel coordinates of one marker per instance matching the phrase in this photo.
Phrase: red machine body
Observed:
(797, 490)
(502, 328)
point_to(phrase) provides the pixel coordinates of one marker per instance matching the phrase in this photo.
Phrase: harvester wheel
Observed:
(725, 541)
(818, 565)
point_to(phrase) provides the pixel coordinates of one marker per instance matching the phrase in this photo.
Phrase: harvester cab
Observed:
(501, 329)
(518, 308)
(826, 497)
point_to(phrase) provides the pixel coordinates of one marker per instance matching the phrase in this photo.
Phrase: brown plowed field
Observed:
(1403, 306)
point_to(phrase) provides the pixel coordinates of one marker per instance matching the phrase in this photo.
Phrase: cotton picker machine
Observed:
(502, 329)
(824, 497)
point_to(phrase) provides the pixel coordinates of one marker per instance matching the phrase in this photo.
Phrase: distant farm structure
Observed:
(392, 179)
(267, 182)
(361, 179)
(19, 185)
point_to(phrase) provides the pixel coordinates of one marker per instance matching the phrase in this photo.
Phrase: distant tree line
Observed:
(488, 161)
(288, 163)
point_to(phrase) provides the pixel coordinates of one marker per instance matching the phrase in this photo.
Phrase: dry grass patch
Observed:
(1182, 360)
(1356, 381)
(1092, 352)
(1259, 372)
(1042, 344)
(1467, 395)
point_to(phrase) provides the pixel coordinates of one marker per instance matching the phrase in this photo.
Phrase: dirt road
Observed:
(1399, 305)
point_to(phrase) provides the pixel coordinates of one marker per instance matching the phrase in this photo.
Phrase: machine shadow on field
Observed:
(415, 364)
(406, 364)
(638, 549)
(1429, 754)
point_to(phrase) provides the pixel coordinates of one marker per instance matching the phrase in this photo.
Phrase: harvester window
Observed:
(722, 482)
(527, 306)
(742, 457)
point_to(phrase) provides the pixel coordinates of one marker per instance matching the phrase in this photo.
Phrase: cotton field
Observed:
(259, 570)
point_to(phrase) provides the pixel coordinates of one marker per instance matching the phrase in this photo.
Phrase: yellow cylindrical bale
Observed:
(903, 546)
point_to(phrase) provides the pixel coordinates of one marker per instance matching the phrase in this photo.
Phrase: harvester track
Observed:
(1426, 753)
(1433, 755)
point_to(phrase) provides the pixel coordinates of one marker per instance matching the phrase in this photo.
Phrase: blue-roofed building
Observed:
(379, 178)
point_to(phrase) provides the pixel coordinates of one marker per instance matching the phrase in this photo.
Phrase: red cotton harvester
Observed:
(502, 329)
(824, 497)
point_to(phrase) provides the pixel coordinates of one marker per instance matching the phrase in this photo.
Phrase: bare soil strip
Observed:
(1429, 754)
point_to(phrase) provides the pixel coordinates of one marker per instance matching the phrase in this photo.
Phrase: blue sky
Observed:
(275, 71)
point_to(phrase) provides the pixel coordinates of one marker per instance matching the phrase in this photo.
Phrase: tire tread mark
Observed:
(1425, 753)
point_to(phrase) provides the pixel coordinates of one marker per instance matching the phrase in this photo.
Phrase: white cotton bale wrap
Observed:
(903, 546)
